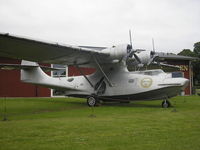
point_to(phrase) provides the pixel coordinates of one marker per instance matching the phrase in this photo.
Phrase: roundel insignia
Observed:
(146, 82)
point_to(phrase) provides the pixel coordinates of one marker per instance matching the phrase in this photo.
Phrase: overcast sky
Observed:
(174, 24)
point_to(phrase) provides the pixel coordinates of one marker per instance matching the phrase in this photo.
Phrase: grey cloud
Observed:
(174, 24)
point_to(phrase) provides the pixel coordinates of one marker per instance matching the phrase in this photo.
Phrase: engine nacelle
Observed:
(144, 56)
(117, 52)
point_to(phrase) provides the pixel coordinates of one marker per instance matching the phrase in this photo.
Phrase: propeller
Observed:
(131, 51)
(153, 54)
(132, 55)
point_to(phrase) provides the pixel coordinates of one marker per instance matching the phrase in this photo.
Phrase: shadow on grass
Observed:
(78, 103)
(71, 102)
(131, 105)
(117, 104)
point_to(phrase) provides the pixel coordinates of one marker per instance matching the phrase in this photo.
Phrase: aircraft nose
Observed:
(185, 83)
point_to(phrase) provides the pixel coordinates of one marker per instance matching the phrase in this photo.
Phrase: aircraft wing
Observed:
(38, 51)
(164, 67)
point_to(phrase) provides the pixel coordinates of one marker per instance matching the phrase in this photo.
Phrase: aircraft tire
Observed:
(166, 104)
(92, 101)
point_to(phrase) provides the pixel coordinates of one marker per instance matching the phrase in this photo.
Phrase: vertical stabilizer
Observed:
(32, 74)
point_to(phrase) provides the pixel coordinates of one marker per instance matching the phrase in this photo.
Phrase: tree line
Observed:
(196, 63)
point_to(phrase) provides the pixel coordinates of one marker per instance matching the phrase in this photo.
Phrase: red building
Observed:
(11, 86)
(184, 62)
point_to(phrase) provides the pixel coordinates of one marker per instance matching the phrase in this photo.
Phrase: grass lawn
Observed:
(69, 124)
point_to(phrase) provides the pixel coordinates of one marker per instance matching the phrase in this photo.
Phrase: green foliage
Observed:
(197, 49)
(61, 124)
(196, 63)
(187, 52)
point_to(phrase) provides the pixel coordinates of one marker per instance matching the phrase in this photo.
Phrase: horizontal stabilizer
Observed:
(19, 67)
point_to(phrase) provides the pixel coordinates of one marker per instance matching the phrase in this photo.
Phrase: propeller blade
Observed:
(137, 58)
(132, 52)
(153, 54)
(130, 36)
(153, 45)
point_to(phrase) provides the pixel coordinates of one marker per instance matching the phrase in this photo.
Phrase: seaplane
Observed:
(112, 80)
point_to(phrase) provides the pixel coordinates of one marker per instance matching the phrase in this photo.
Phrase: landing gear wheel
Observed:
(92, 101)
(166, 104)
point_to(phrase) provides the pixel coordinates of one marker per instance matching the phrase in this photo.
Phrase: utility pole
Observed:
(5, 110)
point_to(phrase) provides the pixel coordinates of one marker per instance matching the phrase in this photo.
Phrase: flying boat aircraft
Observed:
(112, 81)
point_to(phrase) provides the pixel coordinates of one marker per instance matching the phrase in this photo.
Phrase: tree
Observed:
(196, 66)
(187, 52)
(196, 63)
(197, 49)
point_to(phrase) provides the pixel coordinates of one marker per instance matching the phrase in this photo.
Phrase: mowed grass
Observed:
(69, 124)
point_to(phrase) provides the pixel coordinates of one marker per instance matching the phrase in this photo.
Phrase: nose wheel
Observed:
(166, 104)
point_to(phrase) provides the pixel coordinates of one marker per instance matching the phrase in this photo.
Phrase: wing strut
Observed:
(81, 72)
(100, 68)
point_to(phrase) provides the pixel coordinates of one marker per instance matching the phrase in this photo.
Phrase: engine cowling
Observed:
(144, 56)
(143, 59)
(117, 52)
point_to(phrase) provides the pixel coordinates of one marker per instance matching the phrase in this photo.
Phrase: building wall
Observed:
(11, 86)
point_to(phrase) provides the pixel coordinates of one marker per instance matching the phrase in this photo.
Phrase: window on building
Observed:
(62, 72)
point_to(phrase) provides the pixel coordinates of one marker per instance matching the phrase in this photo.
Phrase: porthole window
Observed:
(70, 79)
(131, 81)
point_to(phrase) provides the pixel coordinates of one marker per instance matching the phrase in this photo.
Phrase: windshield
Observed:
(150, 72)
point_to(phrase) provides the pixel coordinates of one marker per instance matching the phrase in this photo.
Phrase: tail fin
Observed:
(36, 75)
(33, 74)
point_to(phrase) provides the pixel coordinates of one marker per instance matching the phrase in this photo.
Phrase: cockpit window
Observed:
(150, 72)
